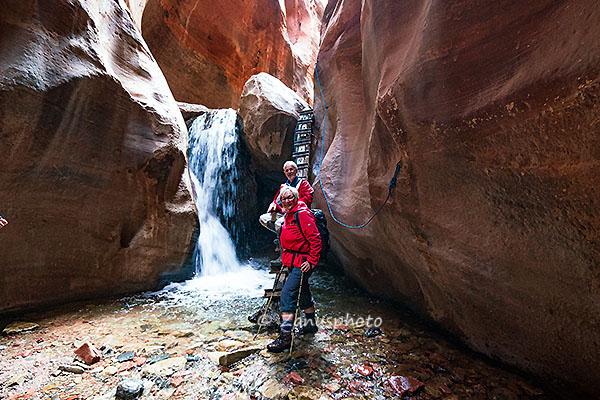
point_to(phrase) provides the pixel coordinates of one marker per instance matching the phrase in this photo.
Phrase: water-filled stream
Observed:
(175, 333)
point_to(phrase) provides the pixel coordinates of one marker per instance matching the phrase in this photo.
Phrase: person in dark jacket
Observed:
(273, 218)
(301, 247)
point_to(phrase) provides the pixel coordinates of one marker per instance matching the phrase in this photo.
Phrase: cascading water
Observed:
(213, 152)
(215, 176)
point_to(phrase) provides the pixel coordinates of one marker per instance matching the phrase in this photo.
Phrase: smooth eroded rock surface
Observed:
(269, 110)
(209, 49)
(191, 111)
(93, 155)
(492, 109)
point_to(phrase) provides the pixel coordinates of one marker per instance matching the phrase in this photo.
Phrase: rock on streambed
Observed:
(169, 341)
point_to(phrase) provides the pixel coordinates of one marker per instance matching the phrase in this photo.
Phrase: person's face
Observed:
(290, 172)
(288, 201)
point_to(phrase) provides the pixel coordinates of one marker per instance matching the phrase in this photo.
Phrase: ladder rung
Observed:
(276, 293)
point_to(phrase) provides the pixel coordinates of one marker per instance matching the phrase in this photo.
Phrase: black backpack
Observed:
(321, 221)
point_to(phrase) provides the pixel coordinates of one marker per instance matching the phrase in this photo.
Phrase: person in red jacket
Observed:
(273, 218)
(301, 248)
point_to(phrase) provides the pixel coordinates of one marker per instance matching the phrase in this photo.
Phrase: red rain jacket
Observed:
(297, 249)
(305, 192)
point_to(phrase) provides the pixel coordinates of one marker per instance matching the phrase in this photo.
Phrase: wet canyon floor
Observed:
(171, 340)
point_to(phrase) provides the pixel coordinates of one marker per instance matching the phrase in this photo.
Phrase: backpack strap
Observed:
(297, 220)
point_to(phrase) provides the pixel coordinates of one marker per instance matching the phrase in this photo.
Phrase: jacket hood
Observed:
(299, 206)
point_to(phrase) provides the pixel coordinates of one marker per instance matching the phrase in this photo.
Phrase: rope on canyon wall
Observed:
(390, 187)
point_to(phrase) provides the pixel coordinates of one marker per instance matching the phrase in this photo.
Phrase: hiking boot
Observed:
(283, 342)
(308, 328)
(254, 317)
(276, 265)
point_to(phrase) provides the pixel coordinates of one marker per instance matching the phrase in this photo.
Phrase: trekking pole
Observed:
(296, 314)
(268, 302)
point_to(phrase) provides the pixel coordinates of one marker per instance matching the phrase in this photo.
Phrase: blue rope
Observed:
(390, 187)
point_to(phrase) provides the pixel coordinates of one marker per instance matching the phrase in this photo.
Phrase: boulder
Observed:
(130, 389)
(229, 344)
(208, 49)
(226, 358)
(19, 327)
(492, 111)
(74, 369)
(271, 389)
(16, 380)
(165, 367)
(88, 354)
(306, 393)
(94, 156)
(269, 110)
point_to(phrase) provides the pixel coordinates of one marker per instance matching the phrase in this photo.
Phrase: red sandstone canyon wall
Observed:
(208, 50)
(492, 108)
(93, 156)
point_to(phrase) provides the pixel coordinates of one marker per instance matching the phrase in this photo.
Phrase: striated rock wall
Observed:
(493, 110)
(136, 9)
(208, 50)
(93, 155)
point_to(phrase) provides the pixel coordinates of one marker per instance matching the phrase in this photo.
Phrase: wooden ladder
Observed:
(301, 155)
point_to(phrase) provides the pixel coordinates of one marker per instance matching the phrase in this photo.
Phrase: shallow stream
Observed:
(169, 339)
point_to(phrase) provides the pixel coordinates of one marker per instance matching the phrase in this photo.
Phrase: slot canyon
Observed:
(453, 148)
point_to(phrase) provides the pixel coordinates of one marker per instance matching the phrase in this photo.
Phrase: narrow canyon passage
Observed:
(193, 339)
(142, 144)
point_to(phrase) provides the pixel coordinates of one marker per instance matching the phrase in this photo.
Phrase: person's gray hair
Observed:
(288, 163)
(290, 189)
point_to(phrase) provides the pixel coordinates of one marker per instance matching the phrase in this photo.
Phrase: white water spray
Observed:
(213, 142)
(213, 151)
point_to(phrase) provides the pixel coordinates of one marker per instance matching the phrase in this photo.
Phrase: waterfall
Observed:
(219, 188)
(213, 143)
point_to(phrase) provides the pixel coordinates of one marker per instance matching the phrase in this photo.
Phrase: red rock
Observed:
(404, 384)
(25, 353)
(177, 381)
(364, 370)
(293, 378)
(124, 366)
(220, 49)
(358, 386)
(494, 117)
(139, 361)
(103, 147)
(332, 387)
(88, 354)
